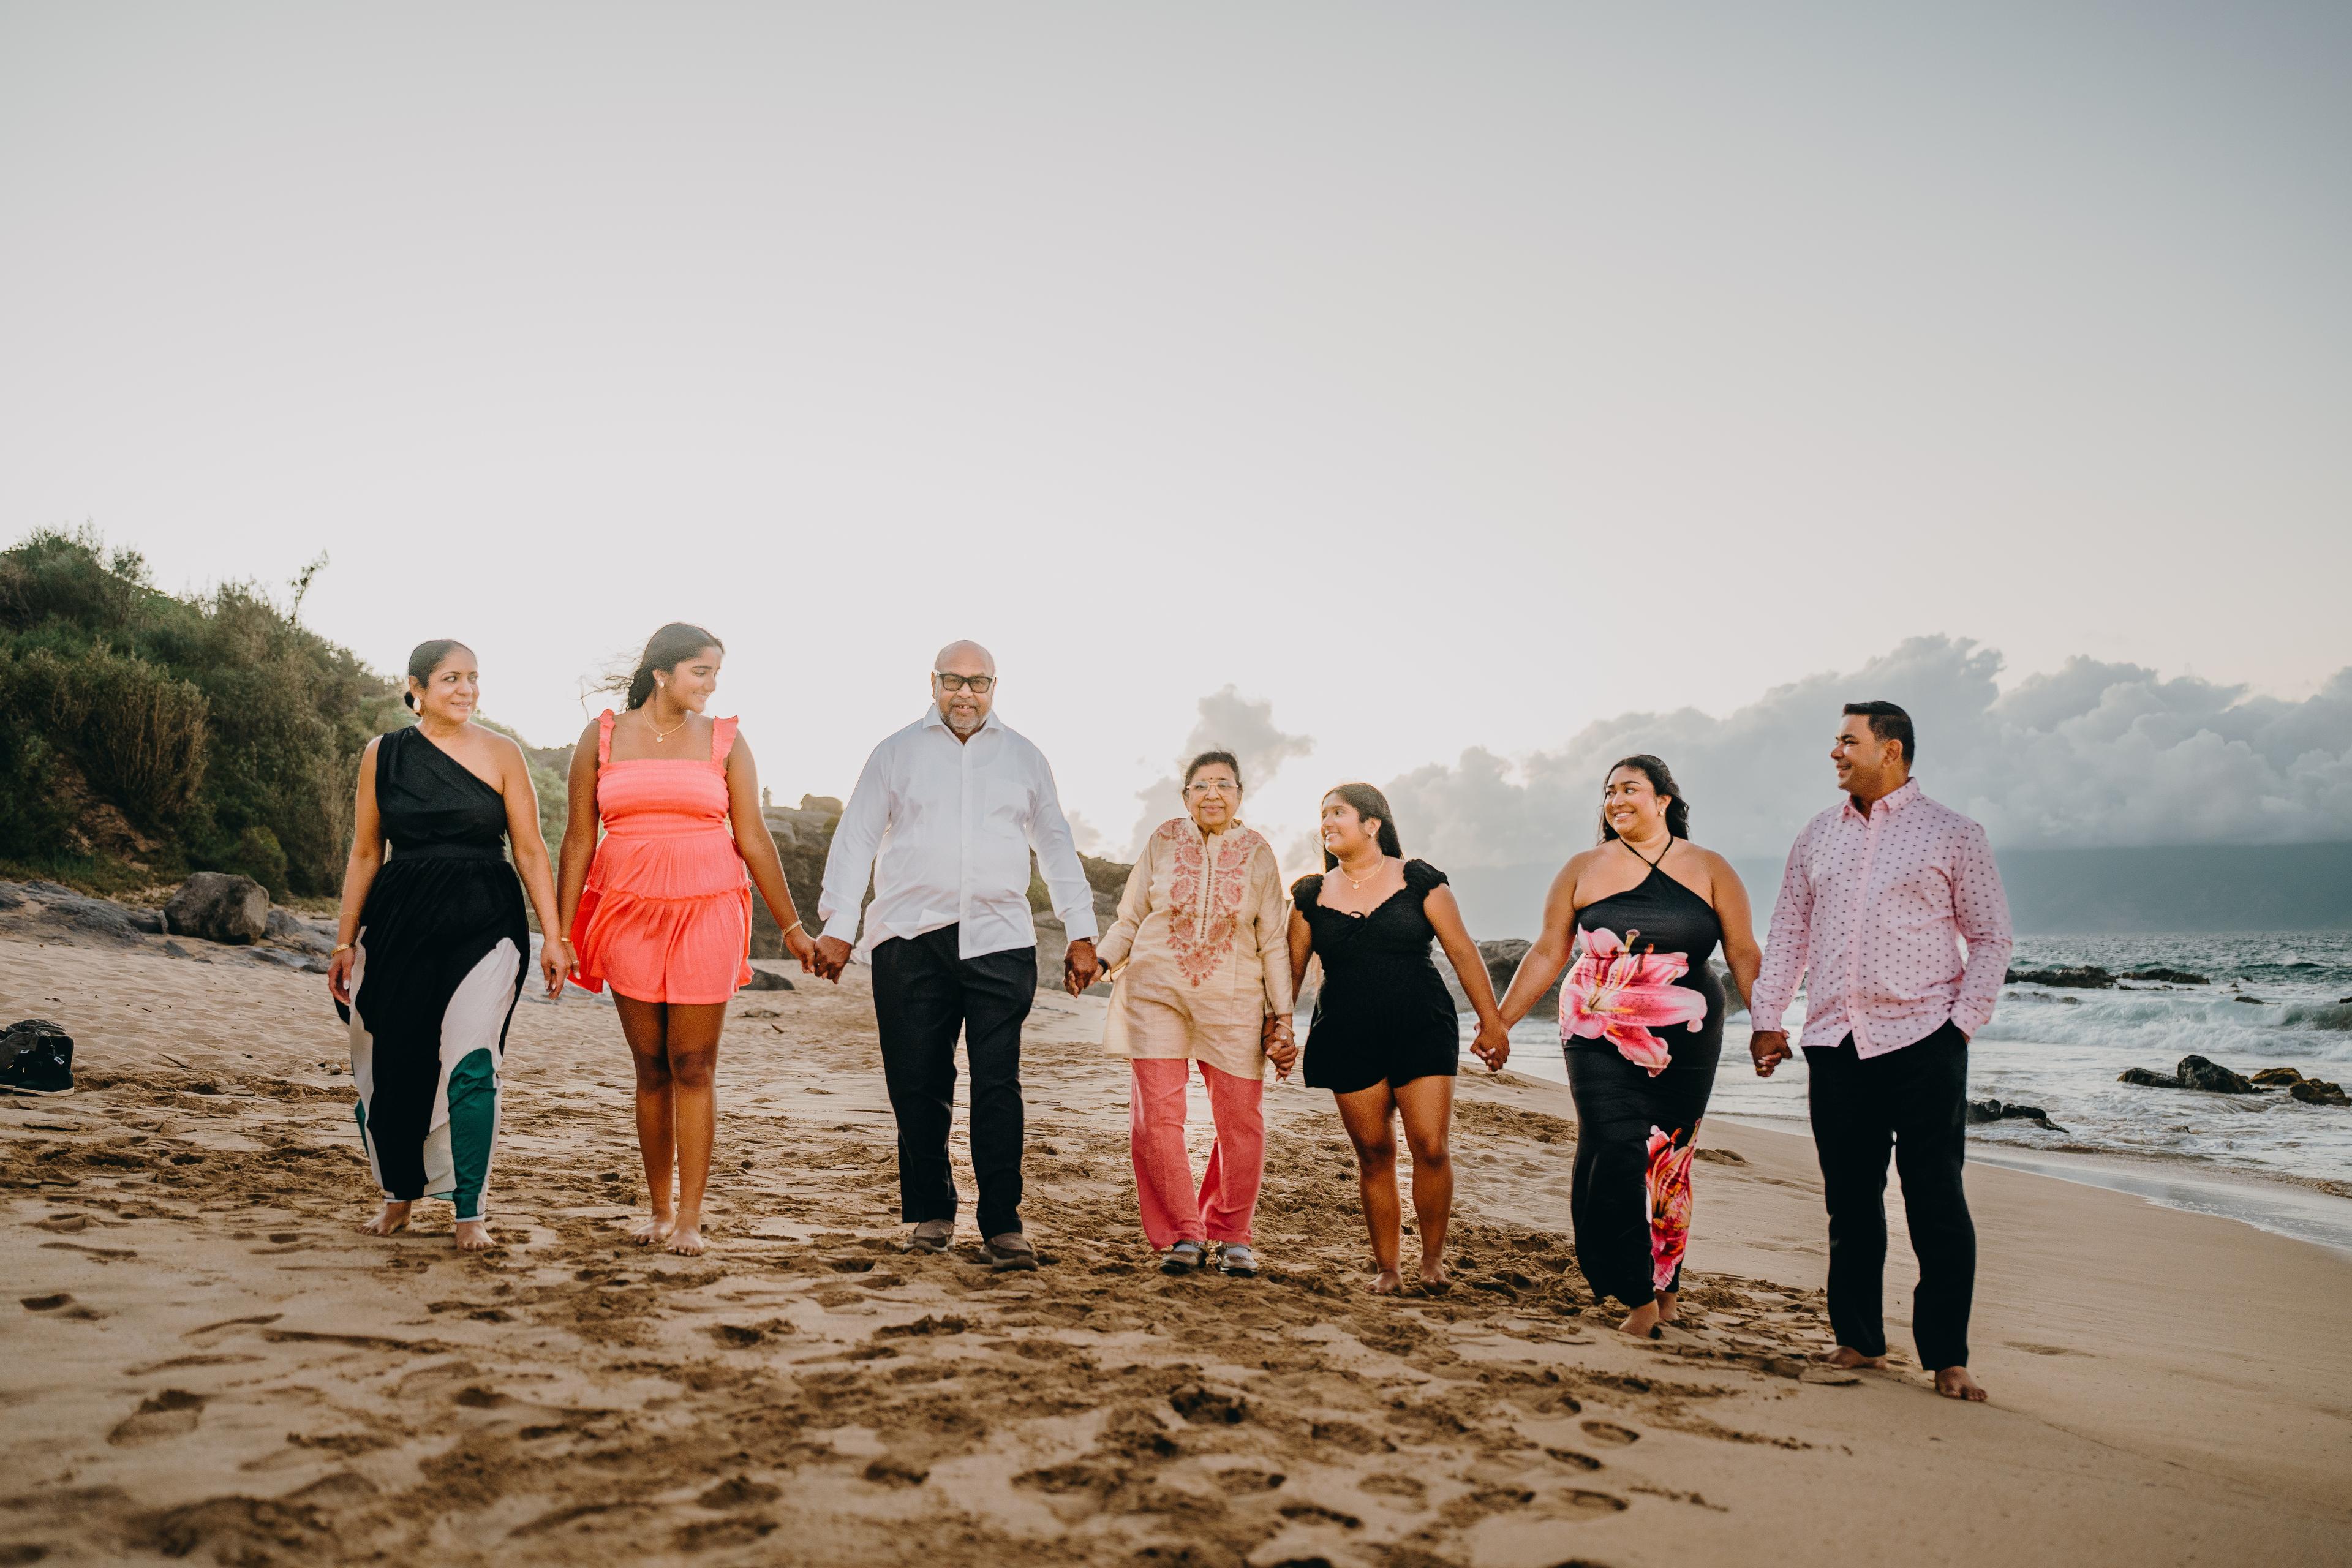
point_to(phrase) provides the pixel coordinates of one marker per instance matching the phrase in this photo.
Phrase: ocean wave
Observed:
(2156, 1029)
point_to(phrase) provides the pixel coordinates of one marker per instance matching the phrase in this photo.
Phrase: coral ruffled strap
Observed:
(722, 740)
(605, 737)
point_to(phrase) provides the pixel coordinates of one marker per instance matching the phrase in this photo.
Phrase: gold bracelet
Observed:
(345, 948)
(793, 927)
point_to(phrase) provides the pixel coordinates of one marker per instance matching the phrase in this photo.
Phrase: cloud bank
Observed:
(2092, 753)
(1229, 722)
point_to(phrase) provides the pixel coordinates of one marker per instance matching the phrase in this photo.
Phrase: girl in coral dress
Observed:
(661, 909)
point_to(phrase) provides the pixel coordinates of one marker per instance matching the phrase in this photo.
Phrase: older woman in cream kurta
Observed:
(1202, 974)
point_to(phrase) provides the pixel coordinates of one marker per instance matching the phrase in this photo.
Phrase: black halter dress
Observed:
(442, 945)
(1642, 1023)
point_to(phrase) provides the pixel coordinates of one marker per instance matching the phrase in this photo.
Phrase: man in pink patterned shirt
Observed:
(1880, 895)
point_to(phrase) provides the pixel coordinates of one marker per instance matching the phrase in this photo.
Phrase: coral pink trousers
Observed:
(1163, 1174)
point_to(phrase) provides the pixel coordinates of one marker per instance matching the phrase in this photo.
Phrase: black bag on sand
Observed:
(36, 1057)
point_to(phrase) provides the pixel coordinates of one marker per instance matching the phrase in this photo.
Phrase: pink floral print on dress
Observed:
(1670, 1205)
(1620, 995)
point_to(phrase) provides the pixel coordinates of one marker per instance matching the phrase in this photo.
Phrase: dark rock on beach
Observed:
(2195, 1072)
(2276, 1078)
(2146, 1080)
(286, 926)
(1503, 957)
(2251, 1001)
(2319, 1091)
(766, 980)
(2076, 976)
(2166, 976)
(1983, 1110)
(89, 917)
(220, 907)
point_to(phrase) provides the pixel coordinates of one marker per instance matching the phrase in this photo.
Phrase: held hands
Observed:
(803, 946)
(1080, 967)
(556, 963)
(828, 958)
(1770, 1047)
(1281, 1045)
(1492, 1045)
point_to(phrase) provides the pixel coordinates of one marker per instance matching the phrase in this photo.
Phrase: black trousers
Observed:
(924, 995)
(1915, 1100)
(1610, 1200)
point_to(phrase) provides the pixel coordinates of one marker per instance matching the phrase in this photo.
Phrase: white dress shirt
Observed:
(952, 823)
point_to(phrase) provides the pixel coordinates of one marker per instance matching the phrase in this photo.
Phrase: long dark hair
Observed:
(423, 659)
(1660, 780)
(1369, 802)
(666, 649)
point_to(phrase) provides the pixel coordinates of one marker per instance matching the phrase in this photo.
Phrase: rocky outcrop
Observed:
(2073, 976)
(286, 927)
(1983, 1110)
(220, 907)
(801, 836)
(2195, 1072)
(767, 980)
(2165, 976)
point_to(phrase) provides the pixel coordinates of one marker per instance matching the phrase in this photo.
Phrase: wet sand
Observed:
(205, 1362)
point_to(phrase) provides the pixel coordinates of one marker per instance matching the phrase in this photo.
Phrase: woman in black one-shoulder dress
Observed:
(1384, 1040)
(1642, 1024)
(430, 956)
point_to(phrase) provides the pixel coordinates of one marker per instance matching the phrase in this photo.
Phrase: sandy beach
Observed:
(205, 1362)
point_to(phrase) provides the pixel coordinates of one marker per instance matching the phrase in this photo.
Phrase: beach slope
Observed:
(204, 1361)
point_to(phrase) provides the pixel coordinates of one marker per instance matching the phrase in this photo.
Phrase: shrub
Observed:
(214, 722)
(136, 733)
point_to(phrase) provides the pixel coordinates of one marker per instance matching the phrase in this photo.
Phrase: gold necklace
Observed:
(661, 735)
(1359, 881)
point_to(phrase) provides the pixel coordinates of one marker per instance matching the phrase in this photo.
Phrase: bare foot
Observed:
(686, 1239)
(1667, 1311)
(1845, 1355)
(1387, 1282)
(393, 1216)
(1954, 1382)
(473, 1235)
(655, 1229)
(1433, 1277)
(1642, 1320)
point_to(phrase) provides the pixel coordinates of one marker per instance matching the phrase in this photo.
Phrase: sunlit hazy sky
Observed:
(1446, 377)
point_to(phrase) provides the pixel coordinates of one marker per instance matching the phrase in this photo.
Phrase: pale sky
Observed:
(1446, 377)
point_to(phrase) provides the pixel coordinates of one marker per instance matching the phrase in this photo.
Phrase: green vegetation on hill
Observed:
(145, 734)
(150, 734)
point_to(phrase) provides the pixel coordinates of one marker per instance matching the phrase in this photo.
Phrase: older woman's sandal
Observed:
(1235, 1259)
(1183, 1258)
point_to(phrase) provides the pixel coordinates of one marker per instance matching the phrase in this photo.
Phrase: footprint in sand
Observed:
(62, 1304)
(171, 1414)
(1612, 1435)
(2042, 1349)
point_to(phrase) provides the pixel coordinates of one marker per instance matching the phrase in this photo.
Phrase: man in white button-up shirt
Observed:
(944, 816)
